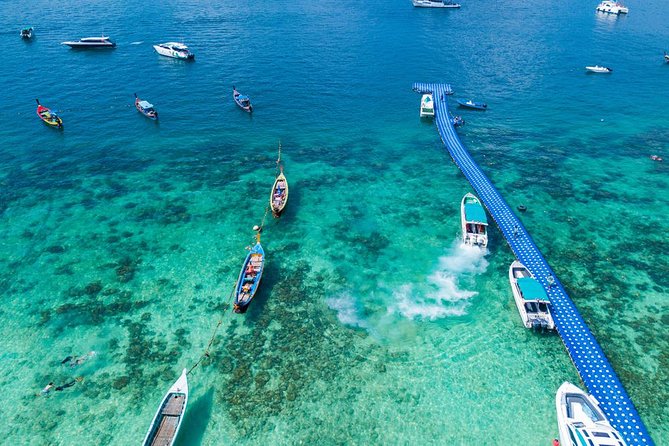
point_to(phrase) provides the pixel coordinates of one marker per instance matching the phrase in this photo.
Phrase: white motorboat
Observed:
(91, 42)
(612, 7)
(599, 69)
(580, 420)
(435, 4)
(174, 50)
(474, 221)
(531, 298)
(167, 420)
(427, 105)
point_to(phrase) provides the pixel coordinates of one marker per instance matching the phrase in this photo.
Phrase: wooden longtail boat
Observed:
(243, 101)
(279, 196)
(48, 117)
(167, 420)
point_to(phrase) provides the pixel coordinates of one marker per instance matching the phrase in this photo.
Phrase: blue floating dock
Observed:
(593, 366)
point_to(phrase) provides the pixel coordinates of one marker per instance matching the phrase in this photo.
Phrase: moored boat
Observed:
(457, 121)
(249, 278)
(426, 105)
(167, 420)
(48, 117)
(598, 69)
(145, 108)
(472, 104)
(91, 42)
(279, 196)
(580, 420)
(27, 32)
(435, 4)
(174, 50)
(243, 101)
(531, 299)
(666, 57)
(612, 7)
(474, 221)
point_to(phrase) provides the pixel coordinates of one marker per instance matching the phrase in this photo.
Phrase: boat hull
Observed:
(473, 105)
(166, 423)
(180, 55)
(248, 281)
(540, 321)
(567, 398)
(474, 233)
(48, 118)
(279, 198)
(426, 106)
(152, 115)
(244, 105)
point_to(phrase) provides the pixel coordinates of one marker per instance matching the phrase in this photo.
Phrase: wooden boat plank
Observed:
(175, 405)
(166, 431)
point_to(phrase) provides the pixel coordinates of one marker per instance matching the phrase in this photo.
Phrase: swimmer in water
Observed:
(45, 391)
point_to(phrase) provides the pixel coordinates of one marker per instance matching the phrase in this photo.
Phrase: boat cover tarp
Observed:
(475, 213)
(531, 289)
(145, 104)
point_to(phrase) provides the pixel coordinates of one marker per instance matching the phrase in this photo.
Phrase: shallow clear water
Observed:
(373, 326)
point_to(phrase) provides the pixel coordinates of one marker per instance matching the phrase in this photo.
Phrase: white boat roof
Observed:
(94, 39)
(177, 45)
(145, 104)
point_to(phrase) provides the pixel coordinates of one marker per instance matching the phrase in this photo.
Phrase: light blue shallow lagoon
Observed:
(373, 325)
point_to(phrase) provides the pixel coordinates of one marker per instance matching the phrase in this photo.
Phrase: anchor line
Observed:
(211, 340)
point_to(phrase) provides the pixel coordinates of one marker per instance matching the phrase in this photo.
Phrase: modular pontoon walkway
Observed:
(588, 357)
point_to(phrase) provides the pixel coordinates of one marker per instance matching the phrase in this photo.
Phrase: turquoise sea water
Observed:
(373, 325)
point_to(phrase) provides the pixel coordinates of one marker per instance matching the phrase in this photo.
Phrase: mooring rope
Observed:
(211, 340)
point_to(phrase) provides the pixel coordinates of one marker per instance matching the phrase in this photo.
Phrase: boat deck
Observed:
(170, 417)
(592, 365)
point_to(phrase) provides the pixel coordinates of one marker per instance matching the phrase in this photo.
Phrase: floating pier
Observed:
(593, 366)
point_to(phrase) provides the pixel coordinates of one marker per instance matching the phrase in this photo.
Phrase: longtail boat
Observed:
(243, 101)
(167, 420)
(279, 196)
(249, 278)
(145, 108)
(48, 117)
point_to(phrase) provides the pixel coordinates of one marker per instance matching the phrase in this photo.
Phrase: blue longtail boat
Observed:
(249, 278)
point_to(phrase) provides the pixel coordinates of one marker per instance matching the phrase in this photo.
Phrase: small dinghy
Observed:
(167, 420)
(598, 69)
(27, 32)
(474, 221)
(243, 101)
(457, 121)
(279, 196)
(48, 117)
(579, 418)
(145, 108)
(473, 105)
(249, 277)
(531, 299)
(666, 57)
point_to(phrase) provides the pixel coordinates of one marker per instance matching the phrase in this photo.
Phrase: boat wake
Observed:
(448, 289)
(347, 310)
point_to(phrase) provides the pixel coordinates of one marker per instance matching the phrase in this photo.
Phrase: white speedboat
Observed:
(531, 298)
(175, 50)
(426, 105)
(599, 69)
(612, 7)
(580, 420)
(474, 221)
(91, 42)
(167, 420)
(435, 4)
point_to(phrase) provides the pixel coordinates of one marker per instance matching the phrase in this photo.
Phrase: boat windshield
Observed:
(531, 307)
(579, 407)
(543, 307)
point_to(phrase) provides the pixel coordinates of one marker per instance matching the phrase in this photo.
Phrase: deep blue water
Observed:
(123, 236)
